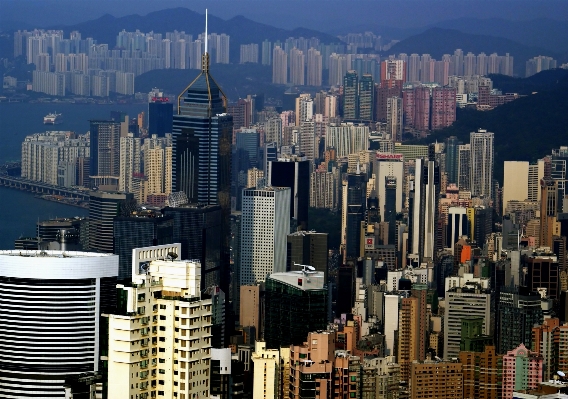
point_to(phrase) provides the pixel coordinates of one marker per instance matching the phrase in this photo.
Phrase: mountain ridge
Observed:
(439, 41)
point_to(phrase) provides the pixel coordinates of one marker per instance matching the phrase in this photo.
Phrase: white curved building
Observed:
(50, 304)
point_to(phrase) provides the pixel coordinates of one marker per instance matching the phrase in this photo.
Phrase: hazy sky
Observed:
(325, 15)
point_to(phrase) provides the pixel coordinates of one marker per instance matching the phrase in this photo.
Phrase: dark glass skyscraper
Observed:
(201, 159)
(452, 157)
(198, 229)
(356, 201)
(160, 115)
(137, 231)
(293, 172)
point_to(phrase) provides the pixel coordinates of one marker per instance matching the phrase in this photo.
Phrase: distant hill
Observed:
(242, 30)
(545, 33)
(525, 129)
(438, 41)
(544, 81)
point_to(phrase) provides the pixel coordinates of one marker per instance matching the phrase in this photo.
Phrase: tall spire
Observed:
(205, 56)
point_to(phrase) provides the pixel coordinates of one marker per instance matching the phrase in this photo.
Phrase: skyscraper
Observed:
(314, 68)
(482, 155)
(351, 96)
(443, 107)
(279, 66)
(395, 118)
(548, 211)
(366, 98)
(264, 226)
(464, 167)
(297, 67)
(452, 158)
(59, 340)
(105, 152)
(424, 208)
(103, 208)
(136, 231)
(160, 116)
(130, 164)
(293, 172)
(354, 210)
(198, 229)
(170, 290)
(471, 300)
(519, 311)
(307, 248)
(201, 164)
(295, 304)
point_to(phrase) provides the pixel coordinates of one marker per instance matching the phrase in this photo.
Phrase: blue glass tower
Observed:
(201, 164)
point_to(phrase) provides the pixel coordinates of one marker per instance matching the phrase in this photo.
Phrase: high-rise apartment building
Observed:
(62, 340)
(393, 70)
(45, 154)
(130, 162)
(550, 341)
(482, 158)
(535, 175)
(279, 66)
(436, 380)
(408, 331)
(249, 53)
(522, 370)
(271, 375)
(297, 67)
(201, 153)
(482, 373)
(324, 189)
(295, 303)
(315, 68)
(313, 358)
(394, 118)
(161, 332)
(443, 107)
(157, 155)
(264, 226)
(347, 138)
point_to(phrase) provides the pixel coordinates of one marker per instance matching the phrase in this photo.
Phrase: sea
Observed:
(19, 210)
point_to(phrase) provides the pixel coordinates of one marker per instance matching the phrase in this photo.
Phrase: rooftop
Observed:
(51, 254)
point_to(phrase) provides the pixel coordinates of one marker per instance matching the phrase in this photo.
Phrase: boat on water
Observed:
(52, 119)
